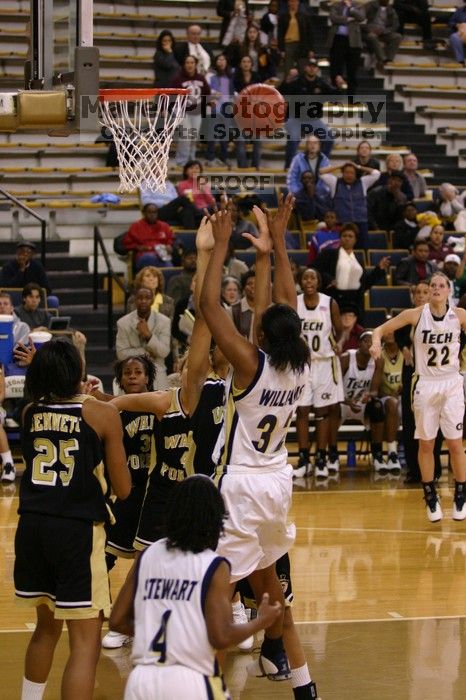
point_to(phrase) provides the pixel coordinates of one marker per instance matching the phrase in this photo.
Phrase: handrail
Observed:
(43, 222)
(111, 275)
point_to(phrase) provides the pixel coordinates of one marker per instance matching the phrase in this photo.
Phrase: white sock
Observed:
(6, 457)
(236, 606)
(300, 676)
(392, 447)
(32, 691)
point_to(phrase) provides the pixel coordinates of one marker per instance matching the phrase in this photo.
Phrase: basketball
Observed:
(261, 109)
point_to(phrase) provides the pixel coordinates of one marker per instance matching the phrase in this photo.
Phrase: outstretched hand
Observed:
(375, 349)
(204, 236)
(221, 224)
(278, 222)
(262, 243)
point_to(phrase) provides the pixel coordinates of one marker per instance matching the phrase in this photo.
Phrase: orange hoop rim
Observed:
(132, 94)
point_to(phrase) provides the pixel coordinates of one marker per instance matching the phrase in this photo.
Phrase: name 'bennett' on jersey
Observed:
(276, 397)
(168, 589)
(58, 422)
(433, 338)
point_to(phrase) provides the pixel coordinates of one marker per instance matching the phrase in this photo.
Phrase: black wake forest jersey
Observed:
(138, 431)
(64, 473)
(168, 462)
(206, 424)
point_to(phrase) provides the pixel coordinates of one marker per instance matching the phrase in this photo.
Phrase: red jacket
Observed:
(143, 234)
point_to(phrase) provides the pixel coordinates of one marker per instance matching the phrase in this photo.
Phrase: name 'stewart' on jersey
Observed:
(168, 589)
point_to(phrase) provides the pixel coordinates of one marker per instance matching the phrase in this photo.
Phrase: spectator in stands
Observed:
(244, 77)
(232, 267)
(24, 269)
(451, 205)
(242, 312)
(221, 85)
(415, 179)
(195, 188)
(21, 330)
(173, 208)
(295, 34)
(240, 225)
(380, 31)
(343, 277)
(345, 42)
(165, 64)
(150, 238)
(189, 78)
(179, 285)
(8, 465)
(457, 37)
(269, 24)
(349, 194)
(385, 204)
(183, 322)
(152, 278)
(438, 247)
(230, 10)
(351, 328)
(37, 319)
(235, 32)
(327, 235)
(394, 163)
(310, 159)
(364, 156)
(415, 268)
(313, 199)
(231, 291)
(417, 12)
(307, 82)
(193, 47)
(144, 331)
(451, 266)
(406, 230)
(264, 58)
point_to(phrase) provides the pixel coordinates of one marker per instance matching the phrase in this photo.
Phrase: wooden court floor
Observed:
(380, 599)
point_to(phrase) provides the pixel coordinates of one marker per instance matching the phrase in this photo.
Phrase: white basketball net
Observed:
(143, 130)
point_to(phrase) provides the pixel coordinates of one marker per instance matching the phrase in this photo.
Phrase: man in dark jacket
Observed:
(295, 36)
(298, 125)
(380, 33)
(416, 267)
(344, 41)
(22, 270)
(385, 204)
(417, 12)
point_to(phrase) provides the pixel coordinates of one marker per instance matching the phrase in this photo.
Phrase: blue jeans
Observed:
(457, 45)
(298, 130)
(151, 259)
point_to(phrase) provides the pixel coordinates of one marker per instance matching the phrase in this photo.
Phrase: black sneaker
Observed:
(276, 668)
(9, 472)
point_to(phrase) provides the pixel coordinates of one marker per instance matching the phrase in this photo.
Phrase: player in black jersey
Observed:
(60, 540)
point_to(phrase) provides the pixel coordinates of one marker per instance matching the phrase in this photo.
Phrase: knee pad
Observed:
(375, 411)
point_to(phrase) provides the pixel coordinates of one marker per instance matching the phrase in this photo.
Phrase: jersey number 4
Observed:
(159, 643)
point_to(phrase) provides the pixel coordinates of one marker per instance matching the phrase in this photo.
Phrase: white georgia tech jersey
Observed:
(437, 344)
(357, 381)
(316, 325)
(169, 603)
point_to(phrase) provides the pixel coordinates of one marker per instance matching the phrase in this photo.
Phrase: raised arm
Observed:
(284, 288)
(238, 350)
(198, 358)
(263, 288)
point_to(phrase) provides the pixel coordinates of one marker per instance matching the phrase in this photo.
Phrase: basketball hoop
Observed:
(142, 122)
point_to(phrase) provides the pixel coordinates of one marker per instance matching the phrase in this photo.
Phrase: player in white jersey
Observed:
(265, 388)
(437, 388)
(176, 602)
(321, 326)
(390, 395)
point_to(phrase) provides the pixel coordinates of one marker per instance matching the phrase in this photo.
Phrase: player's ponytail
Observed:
(283, 342)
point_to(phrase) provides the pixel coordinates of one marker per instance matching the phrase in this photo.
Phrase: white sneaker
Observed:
(393, 462)
(299, 472)
(9, 472)
(459, 513)
(333, 465)
(434, 511)
(240, 618)
(115, 640)
(321, 471)
(379, 464)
